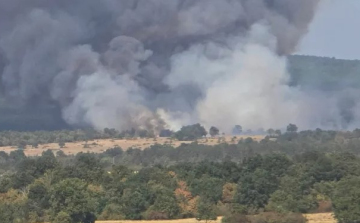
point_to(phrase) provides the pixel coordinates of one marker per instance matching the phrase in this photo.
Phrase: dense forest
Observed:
(323, 73)
(273, 180)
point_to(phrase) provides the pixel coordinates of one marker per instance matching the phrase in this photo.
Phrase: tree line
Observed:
(271, 180)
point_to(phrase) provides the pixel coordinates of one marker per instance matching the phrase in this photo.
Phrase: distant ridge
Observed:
(310, 72)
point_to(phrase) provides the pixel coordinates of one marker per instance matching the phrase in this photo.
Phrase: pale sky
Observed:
(335, 32)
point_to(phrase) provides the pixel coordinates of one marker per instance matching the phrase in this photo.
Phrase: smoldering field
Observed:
(154, 64)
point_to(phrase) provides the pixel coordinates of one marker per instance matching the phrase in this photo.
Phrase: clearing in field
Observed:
(99, 146)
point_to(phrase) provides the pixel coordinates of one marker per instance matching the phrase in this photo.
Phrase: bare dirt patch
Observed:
(312, 218)
(193, 220)
(321, 218)
(99, 146)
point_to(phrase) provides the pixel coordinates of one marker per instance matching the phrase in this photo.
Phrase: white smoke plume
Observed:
(153, 64)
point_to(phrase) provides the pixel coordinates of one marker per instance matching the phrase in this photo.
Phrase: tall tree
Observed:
(291, 128)
(72, 197)
(346, 200)
(214, 131)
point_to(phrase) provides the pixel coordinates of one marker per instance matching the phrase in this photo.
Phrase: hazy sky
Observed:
(335, 32)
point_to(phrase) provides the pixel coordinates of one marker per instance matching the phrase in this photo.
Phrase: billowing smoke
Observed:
(150, 64)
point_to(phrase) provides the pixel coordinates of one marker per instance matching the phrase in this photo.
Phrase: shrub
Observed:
(346, 200)
(156, 215)
(236, 218)
(112, 212)
(62, 217)
(273, 217)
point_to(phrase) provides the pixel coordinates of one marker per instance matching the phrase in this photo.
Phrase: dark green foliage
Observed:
(17, 155)
(346, 200)
(295, 172)
(214, 131)
(165, 205)
(62, 217)
(61, 144)
(291, 128)
(12, 213)
(38, 196)
(166, 133)
(72, 197)
(190, 132)
(113, 152)
(294, 193)
(237, 130)
(86, 167)
(206, 210)
(255, 189)
(260, 178)
(209, 188)
(136, 201)
(236, 218)
(272, 217)
(111, 212)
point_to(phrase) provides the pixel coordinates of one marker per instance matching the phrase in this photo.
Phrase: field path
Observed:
(320, 218)
(312, 218)
(100, 145)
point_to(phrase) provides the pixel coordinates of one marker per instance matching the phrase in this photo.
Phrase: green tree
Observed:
(237, 130)
(205, 210)
(62, 217)
(112, 212)
(190, 132)
(13, 207)
(72, 197)
(271, 132)
(38, 198)
(214, 131)
(17, 155)
(61, 144)
(278, 132)
(235, 218)
(135, 202)
(291, 128)
(346, 200)
(209, 188)
(255, 189)
(295, 193)
(165, 204)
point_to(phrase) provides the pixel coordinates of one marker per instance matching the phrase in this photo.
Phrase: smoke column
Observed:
(151, 64)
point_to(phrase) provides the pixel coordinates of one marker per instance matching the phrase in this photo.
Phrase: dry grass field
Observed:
(312, 218)
(98, 146)
(320, 218)
(163, 221)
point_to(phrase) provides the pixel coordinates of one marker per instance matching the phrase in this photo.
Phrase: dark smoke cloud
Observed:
(122, 63)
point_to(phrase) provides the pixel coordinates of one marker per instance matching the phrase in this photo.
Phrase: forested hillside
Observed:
(322, 73)
(276, 179)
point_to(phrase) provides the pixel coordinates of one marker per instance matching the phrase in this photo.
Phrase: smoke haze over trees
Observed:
(155, 64)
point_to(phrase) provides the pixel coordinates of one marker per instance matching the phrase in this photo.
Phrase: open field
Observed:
(98, 146)
(312, 218)
(192, 220)
(320, 218)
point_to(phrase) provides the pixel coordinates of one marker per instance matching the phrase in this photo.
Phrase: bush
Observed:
(273, 217)
(190, 133)
(236, 218)
(324, 207)
(62, 217)
(346, 200)
(156, 215)
(112, 212)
